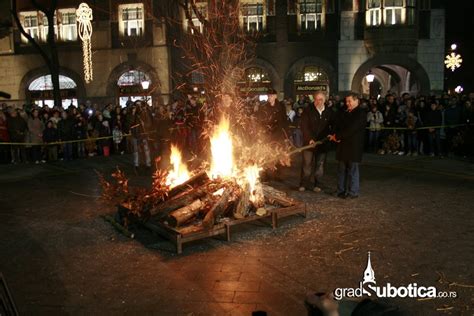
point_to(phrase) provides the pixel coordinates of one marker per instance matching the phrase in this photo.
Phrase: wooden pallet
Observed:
(178, 238)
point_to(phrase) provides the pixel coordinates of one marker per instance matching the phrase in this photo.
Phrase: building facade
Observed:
(129, 47)
(331, 45)
(304, 46)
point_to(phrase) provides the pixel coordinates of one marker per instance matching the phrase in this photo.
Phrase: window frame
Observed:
(28, 15)
(317, 13)
(124, 24)
(259, 18)
(69, 28)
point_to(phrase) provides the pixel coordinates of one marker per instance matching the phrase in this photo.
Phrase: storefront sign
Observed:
(311, 88)
(132, 90)
(254, 89)
(48, 94)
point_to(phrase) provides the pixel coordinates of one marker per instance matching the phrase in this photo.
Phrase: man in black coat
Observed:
(273, 119)
(350, 135)
(316, 125)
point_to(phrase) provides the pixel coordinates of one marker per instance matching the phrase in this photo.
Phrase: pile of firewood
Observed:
(196, 205)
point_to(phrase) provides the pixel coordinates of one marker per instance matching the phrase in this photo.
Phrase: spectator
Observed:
(117, 137)
(375, 120)
(4, 138)
(66, 134)
(35, 128)
(80, 134)
(50, 135)
(17, 130)
(433, 121)
(412, 138)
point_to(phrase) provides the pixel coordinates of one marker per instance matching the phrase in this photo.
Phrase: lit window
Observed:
(201, 7)
(132, 78)
(68, 25)
(253, 17)
(131, 19)
(310, 14)
(30, 24)
(311, 74)
(44, 34)
(373, 15)
(256, 74)
(393, 12)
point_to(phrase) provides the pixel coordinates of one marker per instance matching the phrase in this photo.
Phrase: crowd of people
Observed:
(434, 126)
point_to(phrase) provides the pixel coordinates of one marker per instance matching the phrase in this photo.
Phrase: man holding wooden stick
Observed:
(316, 124)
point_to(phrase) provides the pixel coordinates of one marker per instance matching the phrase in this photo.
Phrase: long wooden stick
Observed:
(119, 227)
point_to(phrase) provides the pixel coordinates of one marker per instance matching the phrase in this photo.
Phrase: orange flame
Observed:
(222, 164)
(179, 174)
(252, 177)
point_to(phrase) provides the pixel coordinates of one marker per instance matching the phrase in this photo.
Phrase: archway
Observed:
(308, 75)
(127, 83)
(397, 73)
(36, 86)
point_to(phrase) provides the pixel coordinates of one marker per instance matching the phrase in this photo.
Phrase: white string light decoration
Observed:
(84, 18)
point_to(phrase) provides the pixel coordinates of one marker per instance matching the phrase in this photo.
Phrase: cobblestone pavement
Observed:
(414, 215)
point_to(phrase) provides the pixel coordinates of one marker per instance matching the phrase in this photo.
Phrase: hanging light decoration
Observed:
(84, 18)
(453, 61)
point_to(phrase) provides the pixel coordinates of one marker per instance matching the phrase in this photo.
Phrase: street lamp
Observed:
(370, 77)
(145, 84)
(459, 89)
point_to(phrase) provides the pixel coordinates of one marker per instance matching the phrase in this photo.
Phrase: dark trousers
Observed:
(412, 142)
(374, 140)
(348, 178)
(18, 153)
(312, 168)
(67, 151)
(36, 153)
(435, 142)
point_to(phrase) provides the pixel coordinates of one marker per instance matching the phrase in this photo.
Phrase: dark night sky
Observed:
(460, 30)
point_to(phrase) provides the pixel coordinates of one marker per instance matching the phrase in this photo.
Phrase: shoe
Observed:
(415, 154)
(317, 189)
(401, 153)
(409, 154)
(43, 161)
(350, 196)
(37, 162)
(301, 189)
(342, 195)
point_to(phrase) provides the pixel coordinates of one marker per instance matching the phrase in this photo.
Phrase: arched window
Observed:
(45, 83)
(40, 90)
(132, 87)
(132, 78)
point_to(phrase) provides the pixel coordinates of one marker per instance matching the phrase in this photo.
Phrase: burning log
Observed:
(273, 195)
(197, 179)
(184, 214)
(243, 206)
(163, 209)
(218, 208)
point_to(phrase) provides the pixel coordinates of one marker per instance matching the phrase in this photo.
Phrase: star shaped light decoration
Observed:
(453, 61)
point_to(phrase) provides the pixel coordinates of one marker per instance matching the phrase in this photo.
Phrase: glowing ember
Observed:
(252, 177)
(179, 174)
(222, 164)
